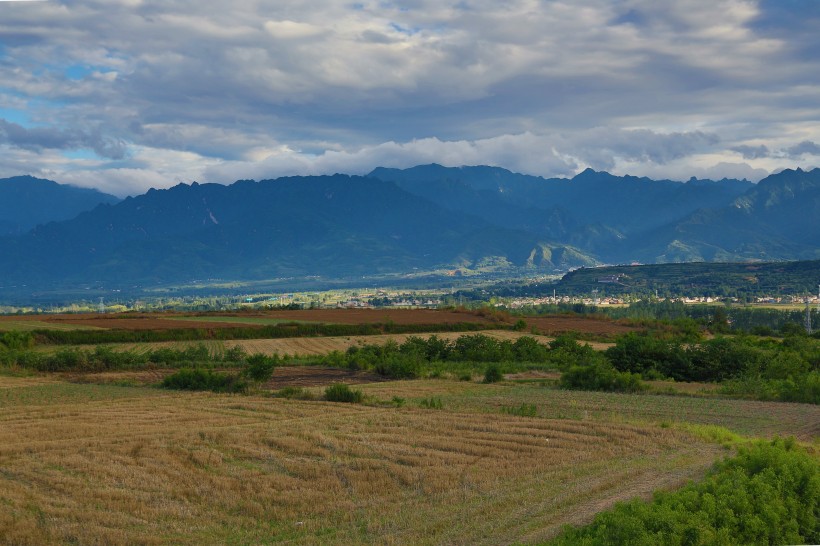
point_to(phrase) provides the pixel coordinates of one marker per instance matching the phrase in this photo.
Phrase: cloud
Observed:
(72, 139)
(543, 87)
(806, 147)
(752, 152)
(545, 155)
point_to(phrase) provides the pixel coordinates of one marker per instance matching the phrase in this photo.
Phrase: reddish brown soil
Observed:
(316, 376)
(164, 321)
(283, 376)
(560, 324)
(149, 323)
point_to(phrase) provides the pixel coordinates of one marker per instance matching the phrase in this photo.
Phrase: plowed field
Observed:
(561, 324)
(164, 321)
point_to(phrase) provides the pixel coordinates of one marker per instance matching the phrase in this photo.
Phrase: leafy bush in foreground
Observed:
(203, 380)
(768, 494)
(493, 374)
(600, 377)
(339, 392)
(260, 367)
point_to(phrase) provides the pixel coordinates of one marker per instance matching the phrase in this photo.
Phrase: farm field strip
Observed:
(310, 346)
(28, 325)
(261, 321)
(159, 467)
(752, 418)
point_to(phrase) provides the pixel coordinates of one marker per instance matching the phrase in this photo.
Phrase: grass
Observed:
(29, 325)
(745, 417)
(120, 465)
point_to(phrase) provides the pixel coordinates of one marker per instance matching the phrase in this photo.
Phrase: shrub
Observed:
(203, 380)
(234, 354)
(493, 374)
(600, 377)
(527, 349)
(260, 367)
(768, 494)
(339, 392)
(398, 366)
(17, 341)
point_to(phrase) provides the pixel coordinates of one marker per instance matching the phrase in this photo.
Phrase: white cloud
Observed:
(285, 87)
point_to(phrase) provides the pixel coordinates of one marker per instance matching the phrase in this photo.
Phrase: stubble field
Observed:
(115, 465)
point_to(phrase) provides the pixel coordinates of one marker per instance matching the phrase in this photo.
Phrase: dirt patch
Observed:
(284, 376)
(134, 377)
(144, 322)
(533, 374)
(318, 376)
(562, 324)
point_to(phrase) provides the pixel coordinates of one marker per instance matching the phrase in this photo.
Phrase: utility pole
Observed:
(808, 316)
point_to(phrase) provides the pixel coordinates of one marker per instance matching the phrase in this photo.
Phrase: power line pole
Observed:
(808, 316)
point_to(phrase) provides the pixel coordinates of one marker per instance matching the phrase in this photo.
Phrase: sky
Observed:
(125, 95)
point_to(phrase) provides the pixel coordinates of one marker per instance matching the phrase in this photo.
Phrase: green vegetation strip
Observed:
(274, 331)
(768, 494)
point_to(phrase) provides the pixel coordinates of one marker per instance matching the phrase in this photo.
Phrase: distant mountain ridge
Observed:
(26, 201)
(424, 218)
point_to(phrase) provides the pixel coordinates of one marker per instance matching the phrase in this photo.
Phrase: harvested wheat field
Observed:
(113, 465)
(311, 346)
(747, 417)
(308, 346)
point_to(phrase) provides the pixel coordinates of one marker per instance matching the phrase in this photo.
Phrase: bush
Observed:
(203, 380)
(806, 389)
(17, 341)
(260, 367)
(339, 392)
(768, 494)
(493, 374)
(600, 377)
(398, 366)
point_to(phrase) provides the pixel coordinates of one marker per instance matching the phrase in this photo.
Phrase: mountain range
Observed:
(26, 201)
(398, 221)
